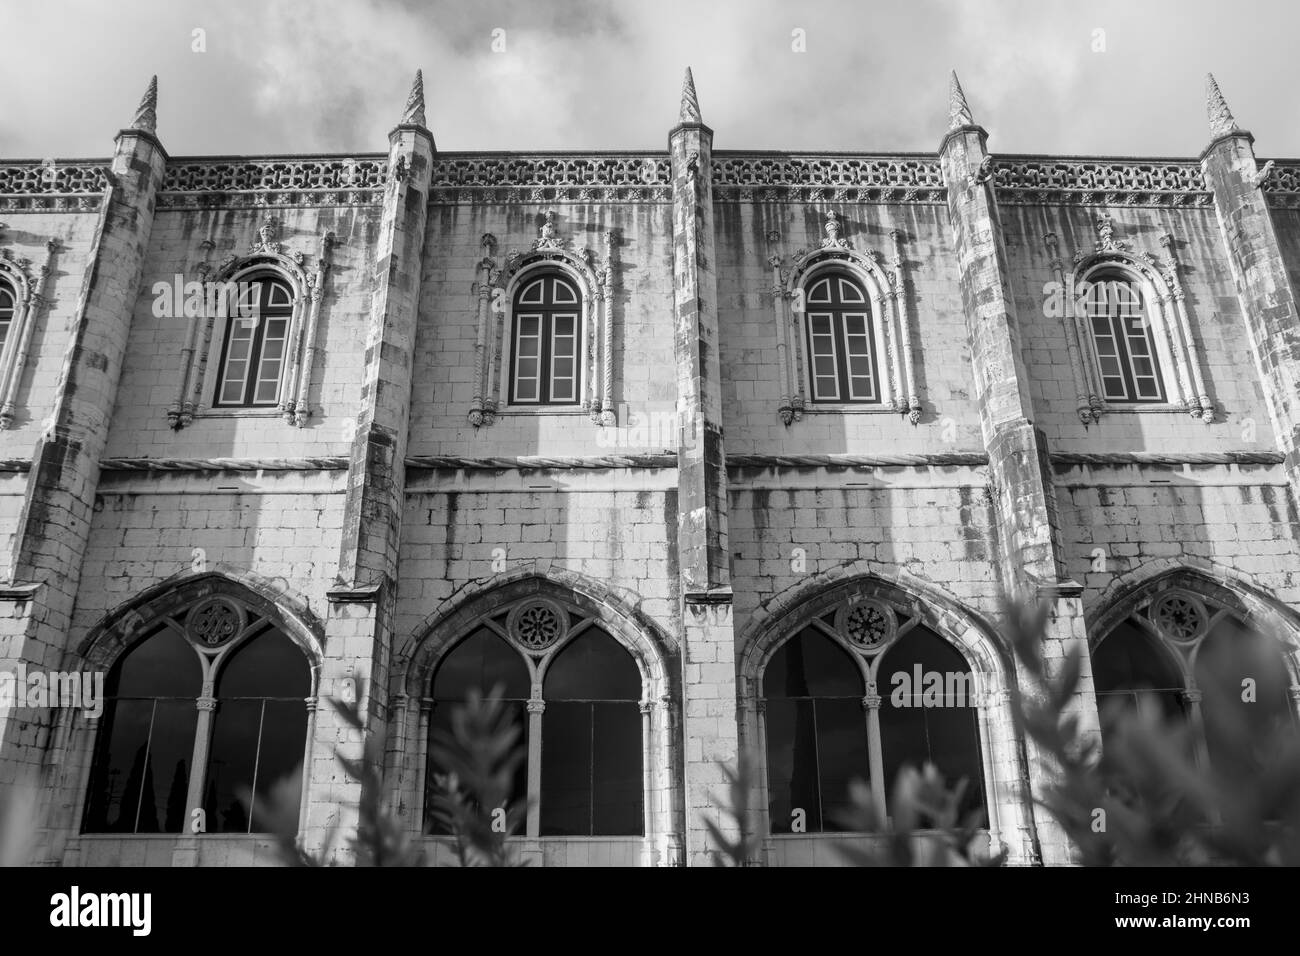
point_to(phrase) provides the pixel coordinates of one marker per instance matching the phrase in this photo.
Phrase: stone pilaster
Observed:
(1268, 302)
(709, 725)
(359, 638)
(54, 524)
(1030, 562)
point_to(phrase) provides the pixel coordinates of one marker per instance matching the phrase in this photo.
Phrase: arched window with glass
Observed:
(841, 340)
(1119, 322)
(7, 307)
(545, 355)
(253, 356)
(156, 719)
(823, 729)
(575, 692)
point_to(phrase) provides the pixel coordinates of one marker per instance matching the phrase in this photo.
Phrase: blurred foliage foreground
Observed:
(1150, 798)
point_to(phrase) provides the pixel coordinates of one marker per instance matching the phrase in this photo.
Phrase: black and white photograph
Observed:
(648, 435)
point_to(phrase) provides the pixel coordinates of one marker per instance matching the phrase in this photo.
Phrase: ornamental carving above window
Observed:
(537, 625)
(867, 625)
(1180, 617)
(214, 622)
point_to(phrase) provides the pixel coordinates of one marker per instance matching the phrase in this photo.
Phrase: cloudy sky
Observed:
(302, 76)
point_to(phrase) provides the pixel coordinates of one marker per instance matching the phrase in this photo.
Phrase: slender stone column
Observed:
(54, 525)
(1268, 303)
(1031, 563)
(709, 726)
(359, 627)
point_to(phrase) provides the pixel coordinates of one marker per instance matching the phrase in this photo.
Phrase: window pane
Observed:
(841, 755)
(269, 665)
(440, 724)
(593, 666)
(936, 722)
(279, 295)
(279, 758)
(617, 771)
(792, 764)
(162, 665)
(481, 662)
(533, 292)
(230, 764)
(812, 665)
(851, 292)
(566, 769)
(139, 776)
(1239, 731)
(563, 293)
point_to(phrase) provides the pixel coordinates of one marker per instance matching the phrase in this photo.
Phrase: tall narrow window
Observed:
(548, 330)
(258, 732)
(481, 663)
(141, 773)
(592, 783)
(1121, 334)
(928, 714)
(6, 314)
(841, 336)
(254, 353)
(816, 732)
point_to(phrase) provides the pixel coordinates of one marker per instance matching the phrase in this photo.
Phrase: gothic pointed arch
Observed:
(205, 714)
(1208, 651)
(885, 634)
(588, 686)
(117, 630)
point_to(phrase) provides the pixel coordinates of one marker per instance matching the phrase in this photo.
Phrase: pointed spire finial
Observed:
(413, 115)
(1221, 121)
(690, 112)
(146, 114)
(958, 112)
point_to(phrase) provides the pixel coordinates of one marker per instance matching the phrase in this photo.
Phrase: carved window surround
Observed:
(205, 331)
(29, 300)
(595, 282)
(1166, 307)
(887, 291)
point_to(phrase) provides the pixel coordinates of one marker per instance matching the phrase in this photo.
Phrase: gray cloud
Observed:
(300, 76)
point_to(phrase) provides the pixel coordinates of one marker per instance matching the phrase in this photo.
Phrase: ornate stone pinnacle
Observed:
(413, 115)
(690, 112)
(146, 114)
(1221, 121)
(958, 112)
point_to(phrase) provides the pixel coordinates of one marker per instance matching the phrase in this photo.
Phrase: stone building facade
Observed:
(693, 403)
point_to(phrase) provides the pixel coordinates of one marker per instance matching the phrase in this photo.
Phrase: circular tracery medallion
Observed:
(214, 621)
(867, 625)
(536, 625)
(1180, 617)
